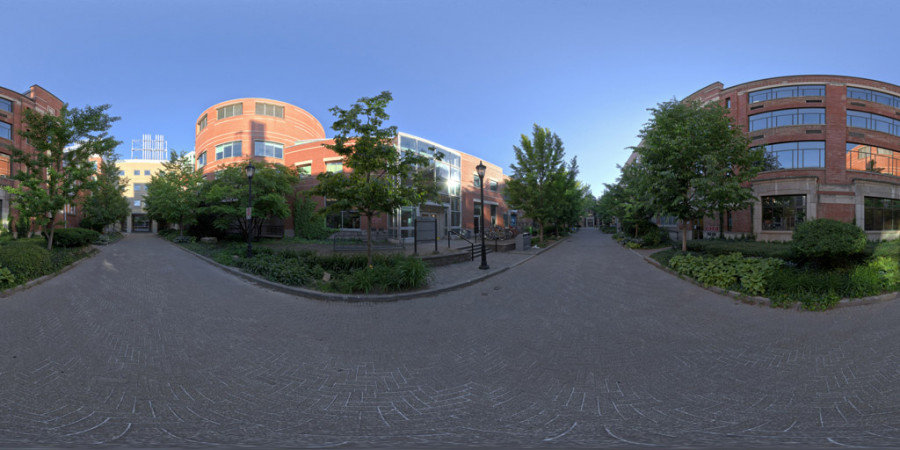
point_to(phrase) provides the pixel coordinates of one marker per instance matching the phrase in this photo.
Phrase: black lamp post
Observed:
(250, 171)
(480, 169)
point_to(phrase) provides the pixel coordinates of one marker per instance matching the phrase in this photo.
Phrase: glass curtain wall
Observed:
(447, 175)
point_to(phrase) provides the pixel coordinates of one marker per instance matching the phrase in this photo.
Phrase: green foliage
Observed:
(781, 250)
(879, 275)
(7, 279)
(226, 198)
(828, 242)
(307, 223)
(173, 193)
(107, 203)
(889, 249)
(25, 260)
(697, 160)
(59, 167)
(543, 184)
(75, 237)
(380, 179)
(732, 271)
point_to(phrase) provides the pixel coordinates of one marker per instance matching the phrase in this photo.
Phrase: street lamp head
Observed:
(250, 170)
(480, 168)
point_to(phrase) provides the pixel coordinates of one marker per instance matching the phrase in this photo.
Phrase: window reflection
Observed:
(816, 90)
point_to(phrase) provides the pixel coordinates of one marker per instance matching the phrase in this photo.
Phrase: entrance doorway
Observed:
(140, 223)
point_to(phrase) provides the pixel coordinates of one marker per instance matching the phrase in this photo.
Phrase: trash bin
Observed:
(523, 241)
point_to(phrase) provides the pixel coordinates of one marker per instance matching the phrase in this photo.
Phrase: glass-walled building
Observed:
(448, 174)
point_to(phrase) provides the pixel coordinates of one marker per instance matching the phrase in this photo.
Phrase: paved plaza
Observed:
(584, 344)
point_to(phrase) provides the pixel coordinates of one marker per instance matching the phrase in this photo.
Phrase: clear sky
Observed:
(470, 75)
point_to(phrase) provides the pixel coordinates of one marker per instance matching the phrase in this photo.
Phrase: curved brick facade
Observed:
(837, 140)
(257, 120)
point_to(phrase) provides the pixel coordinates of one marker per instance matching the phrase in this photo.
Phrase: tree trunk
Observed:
(50, 233)
(369, 237)
(721, 224)
(685, 227)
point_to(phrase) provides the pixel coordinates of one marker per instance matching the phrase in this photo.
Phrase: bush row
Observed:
(346, 273)
(732, 271)
(25, 260)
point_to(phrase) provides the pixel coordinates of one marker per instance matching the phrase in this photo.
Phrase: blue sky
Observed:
(471, 75)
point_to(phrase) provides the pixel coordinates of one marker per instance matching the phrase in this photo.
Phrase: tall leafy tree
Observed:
(698, 159)
(58, 169)
(226, 197)
(173, 194)
(106, 203)
(630, 198)
(534, 184)
(381, 179)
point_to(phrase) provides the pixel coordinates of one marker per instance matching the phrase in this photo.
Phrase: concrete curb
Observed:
(94, 251)
(765, 301)
(358, 298)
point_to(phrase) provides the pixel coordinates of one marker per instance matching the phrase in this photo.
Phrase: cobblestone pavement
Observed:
(583, 345)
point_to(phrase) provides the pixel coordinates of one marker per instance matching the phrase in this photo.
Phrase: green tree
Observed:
(106, 203)
(381, 178)
(537, 176)
(226, 197)
(629, 200)
(698, 160)
(54, 174)
(173, 192)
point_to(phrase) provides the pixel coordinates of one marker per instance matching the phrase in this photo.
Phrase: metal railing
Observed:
(474, 250)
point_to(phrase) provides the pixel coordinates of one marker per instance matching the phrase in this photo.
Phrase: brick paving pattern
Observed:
(583, 345)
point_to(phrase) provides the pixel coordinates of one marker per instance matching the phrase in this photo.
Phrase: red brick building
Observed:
(836, 140)
(236, 130)
(12, 112)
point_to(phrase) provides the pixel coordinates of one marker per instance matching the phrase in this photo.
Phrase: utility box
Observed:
(523, 241)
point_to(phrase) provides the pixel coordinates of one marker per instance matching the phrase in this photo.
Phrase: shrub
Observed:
(879, 275)
(828, 242)
(74, 237)
(733, 271)
(780, 250)
(7, 279)
(307, 223)
(25, 260)
(887, 248)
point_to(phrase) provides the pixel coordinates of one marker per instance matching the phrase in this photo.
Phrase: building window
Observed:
(5, 105)
(147, 173)
(873, 122)
(121, 173)
(269, 149)
(873, 96)
(872, 159)
(137, 172)
(788, 117)
(881, 214)
(228, 150)
(817, 90)
(4, 166)
(201, 124)
(493, 215)
(304, 170)
(266, 109)
(476, 181)
(137, 203)
(201, 160)
(493, 186)
(783, 212)
(334, 166)
(795, 155)
(728, 103)
(230, 111)
(5, 130)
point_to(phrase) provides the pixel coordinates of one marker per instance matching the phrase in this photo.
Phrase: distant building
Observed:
(147, 158)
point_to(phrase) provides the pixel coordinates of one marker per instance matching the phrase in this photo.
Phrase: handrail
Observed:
(458, 233)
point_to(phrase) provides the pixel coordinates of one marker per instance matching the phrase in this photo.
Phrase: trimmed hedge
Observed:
(780, 250)
(25, 260)
(74, 237)
(828, 242)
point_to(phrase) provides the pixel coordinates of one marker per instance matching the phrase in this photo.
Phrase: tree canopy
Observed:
(173, 192)
(697, 159)
(54, 174)
(106, 203)
(380, 179)
(542, 183)
(227, 196)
